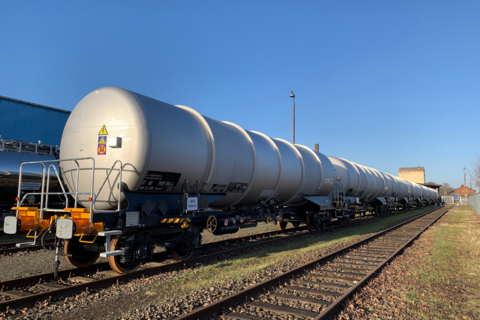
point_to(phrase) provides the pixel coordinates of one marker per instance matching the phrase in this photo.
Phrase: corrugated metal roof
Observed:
(412, 169)
(34, 104)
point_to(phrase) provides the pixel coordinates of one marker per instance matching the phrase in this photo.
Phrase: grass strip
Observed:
(245, 266)
(448, 285)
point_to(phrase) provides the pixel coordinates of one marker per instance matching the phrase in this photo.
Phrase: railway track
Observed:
(22, 292)
(318, 289)
(11, 247)
(26, 291)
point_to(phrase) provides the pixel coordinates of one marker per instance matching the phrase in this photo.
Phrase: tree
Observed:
(445, 189)
(474, 172)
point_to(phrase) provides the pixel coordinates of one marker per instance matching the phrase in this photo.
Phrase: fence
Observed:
(475, 203)
(456, 199)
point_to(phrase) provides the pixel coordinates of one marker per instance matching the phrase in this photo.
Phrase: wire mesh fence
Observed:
(475, 203)
(456, 199)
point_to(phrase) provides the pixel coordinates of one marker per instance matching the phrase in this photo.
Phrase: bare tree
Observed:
(445, 189)
(474, 172)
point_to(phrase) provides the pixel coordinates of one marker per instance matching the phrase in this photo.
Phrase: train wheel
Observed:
(79, 258)
(118, 263)
(326, 221)
(212, 223)
(281, 225)
(314, 221)
(182, 251)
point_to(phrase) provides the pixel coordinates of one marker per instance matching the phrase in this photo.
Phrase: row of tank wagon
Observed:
(183, 173)
(12, 154)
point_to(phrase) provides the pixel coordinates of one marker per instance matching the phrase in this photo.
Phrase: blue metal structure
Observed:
(31, 122)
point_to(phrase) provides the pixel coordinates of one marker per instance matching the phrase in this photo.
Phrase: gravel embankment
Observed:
(427, 281)
(148, 299)
(23, 264)
(138, 299)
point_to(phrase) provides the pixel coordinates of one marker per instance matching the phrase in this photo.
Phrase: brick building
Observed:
(464, 190)
(413, 174)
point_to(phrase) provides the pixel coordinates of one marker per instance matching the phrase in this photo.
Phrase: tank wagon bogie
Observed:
(145, 173)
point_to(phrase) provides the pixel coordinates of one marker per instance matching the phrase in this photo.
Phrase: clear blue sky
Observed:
(385, 83)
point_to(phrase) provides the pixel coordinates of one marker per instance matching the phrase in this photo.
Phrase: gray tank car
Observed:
(150, 173)
(12, 154)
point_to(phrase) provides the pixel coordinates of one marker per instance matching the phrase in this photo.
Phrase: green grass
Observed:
(246, 265)
(230, 273)
(449, 283)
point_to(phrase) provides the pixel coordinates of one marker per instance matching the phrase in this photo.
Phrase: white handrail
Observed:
(48, 186)
(45, 191)
(119, 186)
(45, 194)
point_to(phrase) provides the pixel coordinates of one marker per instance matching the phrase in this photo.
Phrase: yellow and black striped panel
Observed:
(175, 220)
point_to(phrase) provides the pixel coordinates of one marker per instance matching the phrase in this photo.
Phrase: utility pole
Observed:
(292, 95)
(464, 182)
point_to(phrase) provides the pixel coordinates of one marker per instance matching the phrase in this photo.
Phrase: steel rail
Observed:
(337, 304)
(30, 299)
(242, 296)
(10, 247)
(6, 248)
(77, 288)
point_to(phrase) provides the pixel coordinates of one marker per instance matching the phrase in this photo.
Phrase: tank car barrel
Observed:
(162, 173)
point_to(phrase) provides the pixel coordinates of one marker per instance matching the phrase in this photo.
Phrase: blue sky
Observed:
(385, 83)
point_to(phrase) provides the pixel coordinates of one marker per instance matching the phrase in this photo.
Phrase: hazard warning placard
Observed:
(103, 131)
(102, 145)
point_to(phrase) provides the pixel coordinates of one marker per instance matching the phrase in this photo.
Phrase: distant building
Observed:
(31, 122)
(413, 174)
(464, 190)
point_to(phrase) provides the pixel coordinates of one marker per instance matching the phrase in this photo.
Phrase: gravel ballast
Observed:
(428, 281)
(144, 298)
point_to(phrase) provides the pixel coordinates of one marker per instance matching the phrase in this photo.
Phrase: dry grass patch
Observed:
(448, 286)
(269, 259)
